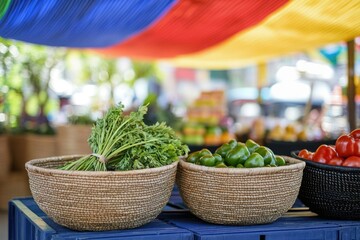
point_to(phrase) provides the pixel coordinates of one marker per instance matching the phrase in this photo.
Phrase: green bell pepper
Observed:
(207, 160)
(255, 160)
(267, 154)
(233, 143)
(204, 152)
(193, 157)
(239, 166)
(218, 159)
(280, 161)
(251, 145)
(237, 155)
(223, 150)
(221, 165)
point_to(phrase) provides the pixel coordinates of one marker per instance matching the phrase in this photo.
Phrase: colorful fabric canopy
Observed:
(191, 26)
(80, 24)
(299, 26)
(189, 33)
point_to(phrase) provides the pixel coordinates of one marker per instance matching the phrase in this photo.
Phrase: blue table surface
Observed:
(176, 222)
(24, 213)
(293, 225)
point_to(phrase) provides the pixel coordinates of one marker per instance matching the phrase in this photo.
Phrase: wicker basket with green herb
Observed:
(91, 194)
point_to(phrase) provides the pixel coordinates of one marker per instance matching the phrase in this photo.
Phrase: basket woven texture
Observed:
(5, 161)
(96, 201)
(24, 147)
(72, 139)
(239, 196)
(331, 191)
(39, 146)
(18, 151)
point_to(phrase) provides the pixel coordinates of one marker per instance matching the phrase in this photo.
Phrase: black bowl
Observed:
(330, 191)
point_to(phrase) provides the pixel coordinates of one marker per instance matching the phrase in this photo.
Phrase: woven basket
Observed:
(18, 149)
(40, 146)
(72, 139)
(331, 191)
(5, 159)
(30, 146)
(97, 201)
(240, 196)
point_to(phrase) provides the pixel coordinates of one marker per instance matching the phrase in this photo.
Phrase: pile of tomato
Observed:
(346, 151)
(235, 154)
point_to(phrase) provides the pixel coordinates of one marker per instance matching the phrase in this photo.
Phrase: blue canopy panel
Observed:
(80, 24)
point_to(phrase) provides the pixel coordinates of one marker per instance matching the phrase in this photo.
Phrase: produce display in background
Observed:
(346, 151)
(295, 132)
(280, 129)
(210, 108)
(282, 136)
(207, 123)
(202, 134)
(235, 154)
(125, 142)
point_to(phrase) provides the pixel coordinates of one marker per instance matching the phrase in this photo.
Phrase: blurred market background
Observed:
(282, 83)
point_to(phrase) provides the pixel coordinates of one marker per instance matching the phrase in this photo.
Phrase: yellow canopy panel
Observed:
(298, 26)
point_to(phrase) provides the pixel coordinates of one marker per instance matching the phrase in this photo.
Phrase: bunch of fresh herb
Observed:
(125, 142)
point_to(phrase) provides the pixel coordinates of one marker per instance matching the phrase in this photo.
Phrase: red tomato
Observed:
(306, 154)
(337, 161)
(347, 145)
(324, 153)
(355, 133)
(353, 161)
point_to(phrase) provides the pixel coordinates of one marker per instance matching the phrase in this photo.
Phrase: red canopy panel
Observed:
(194, 25)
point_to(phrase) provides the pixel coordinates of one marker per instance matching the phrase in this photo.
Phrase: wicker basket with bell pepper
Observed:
(237, 155)
(331, 181)
(240, 183)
